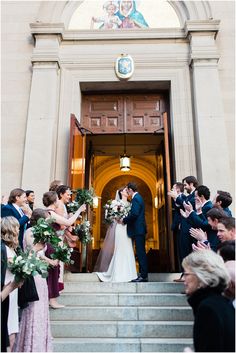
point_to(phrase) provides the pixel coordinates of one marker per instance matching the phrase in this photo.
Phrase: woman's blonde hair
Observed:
(10, 231)
(209, 267)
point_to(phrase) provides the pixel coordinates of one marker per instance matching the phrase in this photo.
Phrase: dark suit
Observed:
(136, 229)
(185, 238)
(200, 221)
(10, 210)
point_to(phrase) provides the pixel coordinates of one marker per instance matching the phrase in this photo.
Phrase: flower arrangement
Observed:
(62, 253)
(43, 232)
(72, 206)
(115, 209)
(27, 264)
(83, 232)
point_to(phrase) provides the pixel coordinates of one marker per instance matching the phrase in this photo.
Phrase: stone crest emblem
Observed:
(124, 66)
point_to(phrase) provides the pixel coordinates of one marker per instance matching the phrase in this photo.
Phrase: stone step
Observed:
(122, 313)
(121, 344)
(122, 329)
(149, 287)
(121, 299)
(92, 277)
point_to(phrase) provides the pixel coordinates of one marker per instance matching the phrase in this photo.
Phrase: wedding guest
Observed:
(35, 333)
(18, 208)
(30, 198)
(9, 234)
(223, 200)
(64, 195)
(190, 184)
(226, 229)
(50, 201)
(54, 185)
(230, 290)
(205, 279)
(226, 249)
(175, 226)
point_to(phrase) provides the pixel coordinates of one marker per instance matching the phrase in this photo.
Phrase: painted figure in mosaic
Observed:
(129, 16)
(110, 20)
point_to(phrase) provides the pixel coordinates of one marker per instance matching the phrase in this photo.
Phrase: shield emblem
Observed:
(124, 66)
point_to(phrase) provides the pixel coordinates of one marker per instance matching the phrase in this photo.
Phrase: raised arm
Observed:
(67, 221)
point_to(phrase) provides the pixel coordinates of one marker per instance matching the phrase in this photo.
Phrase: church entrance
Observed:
(138, 124)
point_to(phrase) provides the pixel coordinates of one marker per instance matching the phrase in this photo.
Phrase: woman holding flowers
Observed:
(9, 233)
(35, 333)
(116, 261)
(50, 201)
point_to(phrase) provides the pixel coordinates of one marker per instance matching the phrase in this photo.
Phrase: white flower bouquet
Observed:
(27, 264)
(44, 232)
(115, 209)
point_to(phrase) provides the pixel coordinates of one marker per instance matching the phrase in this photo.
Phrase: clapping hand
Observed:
(184, 214)
(198, 234)
(172, 193)
(198, 205)
(200, 246)
(188, 206)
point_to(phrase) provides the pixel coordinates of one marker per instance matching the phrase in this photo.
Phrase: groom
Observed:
(136, 229)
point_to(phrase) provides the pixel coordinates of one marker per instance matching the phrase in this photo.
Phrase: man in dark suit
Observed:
(18, 208)
(136, 229)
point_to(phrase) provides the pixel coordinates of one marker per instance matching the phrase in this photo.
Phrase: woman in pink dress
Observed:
(35, 333)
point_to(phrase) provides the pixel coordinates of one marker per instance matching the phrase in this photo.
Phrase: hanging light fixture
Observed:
(124, 159)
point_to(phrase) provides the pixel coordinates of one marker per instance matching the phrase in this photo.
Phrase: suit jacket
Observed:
(10, 210)
(136, 224)
(185, 225)
(214, 323)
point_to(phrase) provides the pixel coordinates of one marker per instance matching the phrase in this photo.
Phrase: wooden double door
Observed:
(122, 113)
(119, 114)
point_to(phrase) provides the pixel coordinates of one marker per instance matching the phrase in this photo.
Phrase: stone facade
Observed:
(44, 63)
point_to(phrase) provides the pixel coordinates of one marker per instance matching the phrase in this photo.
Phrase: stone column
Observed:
(210, 131)
(41, 133)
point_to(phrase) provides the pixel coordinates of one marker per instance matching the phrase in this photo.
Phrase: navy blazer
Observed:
(136, 224)
(10, 210)
(185, 225)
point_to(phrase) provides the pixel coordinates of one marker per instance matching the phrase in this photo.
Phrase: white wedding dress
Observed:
(122, 267)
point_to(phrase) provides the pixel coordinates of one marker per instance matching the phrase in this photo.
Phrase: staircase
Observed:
(122, 317)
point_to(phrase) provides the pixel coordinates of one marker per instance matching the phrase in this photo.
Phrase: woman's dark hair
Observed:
(36, 214)
(49, 198)
(226, 249)
(132, 186)
(14, 193)
(62, 189)
(120, 191)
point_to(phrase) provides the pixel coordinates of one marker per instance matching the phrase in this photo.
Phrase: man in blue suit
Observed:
(136, 229)
(18, 208)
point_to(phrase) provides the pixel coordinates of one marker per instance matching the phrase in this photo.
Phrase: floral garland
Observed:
(83, 232)
(27, 264)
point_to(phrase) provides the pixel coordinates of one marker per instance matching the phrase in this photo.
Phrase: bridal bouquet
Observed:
(43, 232)
(27, 264)
(115, 209)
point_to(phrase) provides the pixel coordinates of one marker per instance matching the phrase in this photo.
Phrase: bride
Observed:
(116, 262)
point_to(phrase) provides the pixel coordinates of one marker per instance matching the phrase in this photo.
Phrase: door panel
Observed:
(123, 113)
(76, 160)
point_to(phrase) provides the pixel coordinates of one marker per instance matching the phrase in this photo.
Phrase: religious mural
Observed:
(120, 14)
(123, 14)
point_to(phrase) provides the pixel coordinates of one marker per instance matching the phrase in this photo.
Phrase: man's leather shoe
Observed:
(140, 279)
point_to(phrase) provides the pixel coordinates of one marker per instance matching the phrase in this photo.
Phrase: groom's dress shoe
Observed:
(140, 279)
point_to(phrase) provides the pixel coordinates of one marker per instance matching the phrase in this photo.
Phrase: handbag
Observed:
(70, 239)
(27, 293)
